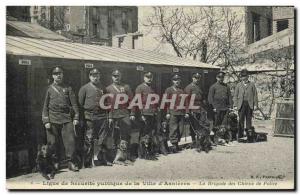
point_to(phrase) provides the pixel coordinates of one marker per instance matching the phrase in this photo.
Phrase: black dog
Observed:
(146, 148)
(47, 162)
(160, 139)
(200, 126)
(88, 153)
(102, 157)
(253, 136)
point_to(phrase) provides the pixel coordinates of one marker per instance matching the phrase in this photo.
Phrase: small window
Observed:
(94, 12)
(269, 26)
(256, 27)
(282, 24)
(120, 41)
(95, 29)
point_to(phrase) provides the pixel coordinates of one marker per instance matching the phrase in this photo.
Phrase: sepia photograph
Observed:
(150, 97)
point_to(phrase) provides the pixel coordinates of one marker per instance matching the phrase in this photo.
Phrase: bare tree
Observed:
(208, 34)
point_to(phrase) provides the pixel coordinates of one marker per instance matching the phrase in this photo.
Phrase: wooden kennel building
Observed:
(29, 62)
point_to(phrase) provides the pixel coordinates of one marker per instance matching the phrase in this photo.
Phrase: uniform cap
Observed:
(116, 73)
(244, 73)
(57, 70)
(94, 71)
(148, 74)
(221, 73)
(176, 77)
(197, 75)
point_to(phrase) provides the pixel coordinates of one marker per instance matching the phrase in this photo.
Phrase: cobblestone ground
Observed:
(274, 158)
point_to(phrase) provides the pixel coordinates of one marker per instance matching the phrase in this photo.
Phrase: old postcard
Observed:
(161, 97)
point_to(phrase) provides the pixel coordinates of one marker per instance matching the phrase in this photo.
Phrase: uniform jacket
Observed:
(219, 96)
(145, 90)
(174, 111)
(59, 105)
(122, 111)
(249, 91)
(194, 89)
(89, 97)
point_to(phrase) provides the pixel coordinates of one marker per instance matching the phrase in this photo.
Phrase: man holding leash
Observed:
(60, 116)
(148, 115)
(94, 116)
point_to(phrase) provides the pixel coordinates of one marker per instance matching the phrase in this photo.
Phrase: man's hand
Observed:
(215, 110)
(168, 116)
(47, 125)
(110, 121)
(132, 118)
(75, 122)
(143, 118)
(186, 116)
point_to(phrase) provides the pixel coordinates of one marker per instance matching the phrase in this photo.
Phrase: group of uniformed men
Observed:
(61, 111)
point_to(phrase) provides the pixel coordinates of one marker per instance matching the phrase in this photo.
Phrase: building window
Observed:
(282, 24)
(269, 26)
(95, 29)
(124, 21)
(94, 12)
(256, 27)
(120, 41)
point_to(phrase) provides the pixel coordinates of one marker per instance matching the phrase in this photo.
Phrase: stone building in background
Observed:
(87, 24)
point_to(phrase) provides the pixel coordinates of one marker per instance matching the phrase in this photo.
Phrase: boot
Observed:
(175, 148)
(72, 167)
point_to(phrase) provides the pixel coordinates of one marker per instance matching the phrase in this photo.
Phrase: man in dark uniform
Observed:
(175, 116)
(194, 88)
(89, 99)
(58, 118)
(120, 117)
(148, 116)
(220, 98)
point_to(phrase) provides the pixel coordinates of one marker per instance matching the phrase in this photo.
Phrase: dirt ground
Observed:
(274, 158)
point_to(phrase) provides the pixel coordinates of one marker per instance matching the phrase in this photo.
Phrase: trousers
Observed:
(62, 133)
(245, 113)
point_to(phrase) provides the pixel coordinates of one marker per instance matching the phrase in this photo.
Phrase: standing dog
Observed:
(47, 162)
(122, 156)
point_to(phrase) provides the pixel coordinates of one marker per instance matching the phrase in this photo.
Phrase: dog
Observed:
(203, 143)
(122, 156)
(232, 124)
(253, 136)
(160, 139)
(146, 148)
(88, 153)
(202, 131)
(102, 156)
(46, 161)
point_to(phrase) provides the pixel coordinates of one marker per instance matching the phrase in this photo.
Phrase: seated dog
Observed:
(88, 153)
(146, 149)
(200, 126)
(160, 139)
(203, 143)
(122, 156)
(233, 124)
(47, 162)
(102, 155)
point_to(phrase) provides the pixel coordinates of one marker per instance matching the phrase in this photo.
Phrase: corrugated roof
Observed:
(68, 50)
(34, 30)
